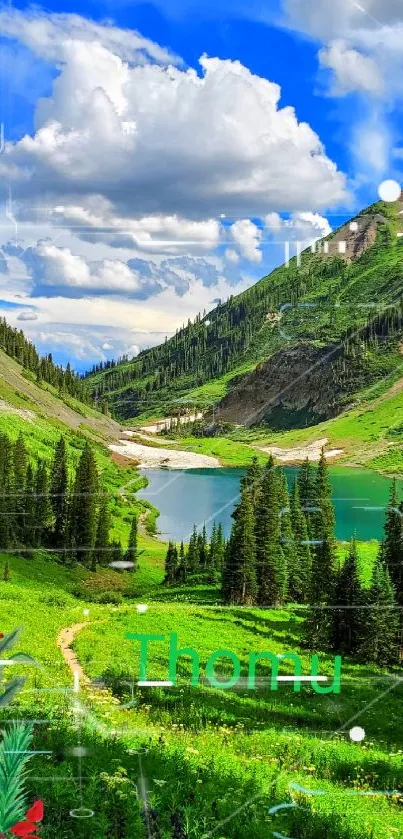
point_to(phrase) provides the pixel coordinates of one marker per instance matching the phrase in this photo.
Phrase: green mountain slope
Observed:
(42, 415)
(320, 302)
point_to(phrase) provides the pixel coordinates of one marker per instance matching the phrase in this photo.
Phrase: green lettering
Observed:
(210, 669)
(144, 639)
(333, 688)
(275, 662)
(174, 654)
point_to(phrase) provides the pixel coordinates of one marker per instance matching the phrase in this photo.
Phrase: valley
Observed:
(112, 759)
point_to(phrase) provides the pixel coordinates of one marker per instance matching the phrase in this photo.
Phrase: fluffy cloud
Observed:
(341, 17)
(363, 42)
(247, 236)
(303, 227)
(160, 234)
(363, 49)
(352, 70)
(53, 271)
(154, 139)
(53, 36)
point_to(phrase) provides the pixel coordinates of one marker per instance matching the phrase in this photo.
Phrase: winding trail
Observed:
(64, 640)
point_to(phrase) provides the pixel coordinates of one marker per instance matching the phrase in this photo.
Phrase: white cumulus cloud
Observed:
(198, 145)
(352, 70)
(247, 236)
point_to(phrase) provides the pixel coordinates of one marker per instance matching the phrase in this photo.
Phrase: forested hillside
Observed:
(321, 302)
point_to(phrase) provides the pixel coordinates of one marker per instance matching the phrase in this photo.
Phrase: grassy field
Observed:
(183, 762)
(207, 752)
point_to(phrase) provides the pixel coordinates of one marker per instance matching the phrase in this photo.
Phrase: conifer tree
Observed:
(6, 571)
(348, 594)
(171, 564)
(270, 560)
(131, 553)
(6, 492)
(228, 589)
(20, 458)
(307, 491)
(102, 552)
(219, 550)
(392, 545)
(42, 504)
(212, 550)
(181, 571)
(323, 524)
(252, 479)
(202, 549)
(379, 631)
(59, 493)
(239, 580)
(193, 552)
(300, 578)
(84, 506)
(30, 507)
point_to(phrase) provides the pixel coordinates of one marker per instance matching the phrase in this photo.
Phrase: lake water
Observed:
(198, 496)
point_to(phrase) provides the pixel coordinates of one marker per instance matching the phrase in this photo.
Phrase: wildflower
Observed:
(25, 828)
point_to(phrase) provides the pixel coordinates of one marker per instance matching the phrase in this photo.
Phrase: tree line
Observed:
(62, 508)
(282, 549)
(240, 328)
(16, 345)
(201, 561)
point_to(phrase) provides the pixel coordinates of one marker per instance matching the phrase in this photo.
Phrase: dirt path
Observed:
(64, 640)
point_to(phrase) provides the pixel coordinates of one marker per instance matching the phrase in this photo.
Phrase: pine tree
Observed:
(101, 553)
(323, 525)
(348, 594)
(30, 507)
(193, 552)
(270, 560)
(42, 504)
(239, 578)
(300, 578)
(219, 550)
(131, 553)
(307, 491)
(171, 564)
(84, 506)
(378, 634)
(6, 493)
(59, 497)
(6, 572)
(392, 545)
(212, 551)
(20, 458)
(318, 624)
(252, 479)
(181, 571)
(202, 549)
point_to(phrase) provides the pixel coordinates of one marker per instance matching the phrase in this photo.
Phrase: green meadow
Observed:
(215, 761)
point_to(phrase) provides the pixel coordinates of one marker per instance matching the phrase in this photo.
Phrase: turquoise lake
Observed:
(198, 496)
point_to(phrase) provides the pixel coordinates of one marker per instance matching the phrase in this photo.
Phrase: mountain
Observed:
(294, 348)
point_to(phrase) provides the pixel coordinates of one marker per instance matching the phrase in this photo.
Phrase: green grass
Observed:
(210, 751)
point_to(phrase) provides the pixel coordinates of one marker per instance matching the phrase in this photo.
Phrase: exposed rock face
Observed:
(349, 243)
(298, 379)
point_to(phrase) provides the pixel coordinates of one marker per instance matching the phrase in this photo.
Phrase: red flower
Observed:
(25, 829)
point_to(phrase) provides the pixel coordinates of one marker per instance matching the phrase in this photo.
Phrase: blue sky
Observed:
(158, 155)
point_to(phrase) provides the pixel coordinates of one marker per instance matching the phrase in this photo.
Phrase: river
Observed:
(198, 496)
